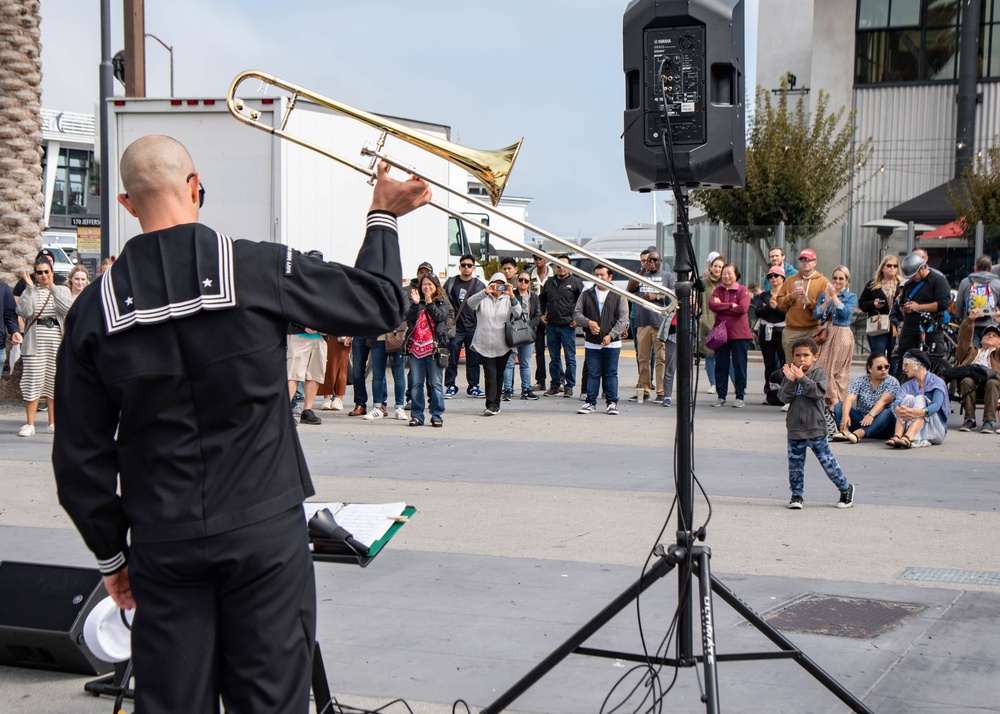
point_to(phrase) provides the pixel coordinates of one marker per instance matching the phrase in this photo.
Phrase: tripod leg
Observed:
(320, 684)
(708, 631)
(661, 567)
(766, 629)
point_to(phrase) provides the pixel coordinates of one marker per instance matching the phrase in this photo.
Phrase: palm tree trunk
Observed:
(20, 135)
(20, 141)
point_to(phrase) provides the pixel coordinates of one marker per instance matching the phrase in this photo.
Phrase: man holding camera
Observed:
(924, 291)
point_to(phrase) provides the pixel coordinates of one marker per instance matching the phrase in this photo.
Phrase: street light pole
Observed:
(171, 51)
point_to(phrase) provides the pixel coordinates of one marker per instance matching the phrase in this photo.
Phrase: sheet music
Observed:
(367, 522)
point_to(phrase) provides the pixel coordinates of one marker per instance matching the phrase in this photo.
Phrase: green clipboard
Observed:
(344, 554)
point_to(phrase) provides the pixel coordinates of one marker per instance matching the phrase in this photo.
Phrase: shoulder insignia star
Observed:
(207, 282)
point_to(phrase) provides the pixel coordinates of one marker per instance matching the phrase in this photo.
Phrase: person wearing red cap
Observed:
(797, 297)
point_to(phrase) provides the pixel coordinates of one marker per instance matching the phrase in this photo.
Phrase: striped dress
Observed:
(39, 377)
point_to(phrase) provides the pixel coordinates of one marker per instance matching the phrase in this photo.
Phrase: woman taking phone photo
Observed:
(493, 307)
(876, 301)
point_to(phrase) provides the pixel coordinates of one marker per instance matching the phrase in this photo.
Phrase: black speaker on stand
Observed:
(684, 128)
(42, 611)
(697, 47)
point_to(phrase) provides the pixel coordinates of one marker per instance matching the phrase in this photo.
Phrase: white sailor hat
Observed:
(108, 632)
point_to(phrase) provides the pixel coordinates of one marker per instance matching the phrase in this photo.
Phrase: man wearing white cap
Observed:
(797, 297)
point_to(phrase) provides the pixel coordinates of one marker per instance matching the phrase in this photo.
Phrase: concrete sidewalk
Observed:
(531, 521)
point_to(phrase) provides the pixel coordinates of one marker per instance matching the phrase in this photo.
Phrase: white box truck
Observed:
(263, 188)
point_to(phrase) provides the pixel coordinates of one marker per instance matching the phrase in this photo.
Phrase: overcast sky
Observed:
(547, 70)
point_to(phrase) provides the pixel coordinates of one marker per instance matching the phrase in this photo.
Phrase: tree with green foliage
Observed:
(797, 169)
(978, 199)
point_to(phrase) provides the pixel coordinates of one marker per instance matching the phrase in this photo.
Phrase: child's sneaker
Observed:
(846, 498)
(796, 502)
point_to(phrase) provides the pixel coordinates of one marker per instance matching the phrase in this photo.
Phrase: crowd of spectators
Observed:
(899, 398)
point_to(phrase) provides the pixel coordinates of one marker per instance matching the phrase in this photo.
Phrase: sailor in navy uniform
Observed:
(176, 430)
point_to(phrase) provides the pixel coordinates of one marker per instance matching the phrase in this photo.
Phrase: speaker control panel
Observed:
(675, 72)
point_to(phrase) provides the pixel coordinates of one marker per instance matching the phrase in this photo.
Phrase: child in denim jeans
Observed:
(803, 387)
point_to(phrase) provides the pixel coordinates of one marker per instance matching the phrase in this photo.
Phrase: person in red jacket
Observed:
(730, 303)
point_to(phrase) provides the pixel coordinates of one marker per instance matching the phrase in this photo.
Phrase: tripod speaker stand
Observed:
(689, 559)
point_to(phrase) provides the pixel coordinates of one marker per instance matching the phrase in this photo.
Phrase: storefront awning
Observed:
(932, 207)
(955, 229)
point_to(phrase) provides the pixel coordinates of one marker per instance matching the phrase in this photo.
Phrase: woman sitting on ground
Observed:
(865, 410)
(921, 407)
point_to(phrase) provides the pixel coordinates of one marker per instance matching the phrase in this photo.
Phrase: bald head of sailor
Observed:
(161, 184)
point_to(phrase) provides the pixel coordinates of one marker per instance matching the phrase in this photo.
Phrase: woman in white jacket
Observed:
(493, 307)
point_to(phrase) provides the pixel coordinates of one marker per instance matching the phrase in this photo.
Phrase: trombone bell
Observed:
(491, 168)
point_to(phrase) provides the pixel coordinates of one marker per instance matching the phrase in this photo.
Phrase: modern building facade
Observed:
(895, 63)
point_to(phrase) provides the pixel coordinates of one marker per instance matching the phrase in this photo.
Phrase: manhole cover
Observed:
(842, 616)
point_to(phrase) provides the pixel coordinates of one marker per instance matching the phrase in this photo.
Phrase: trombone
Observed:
(491, 168)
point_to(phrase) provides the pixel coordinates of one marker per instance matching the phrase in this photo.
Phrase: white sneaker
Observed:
(739, 404)
(50, 429)
(27, 430)
(327, 405)
(587, 409)
(711, 389)
(338, 404)
(375, 413)
(719, 403)
(786, 407)
(400, 414)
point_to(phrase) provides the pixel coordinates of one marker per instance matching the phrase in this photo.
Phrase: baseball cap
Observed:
(807, 253)
(425, 265)
(992, 328)
(776, 270)
(46, 253)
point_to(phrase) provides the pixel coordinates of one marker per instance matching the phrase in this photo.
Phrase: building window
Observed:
(904, 41)
(76, 189)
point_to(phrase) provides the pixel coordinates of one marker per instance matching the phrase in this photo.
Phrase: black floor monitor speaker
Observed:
(42, 611)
